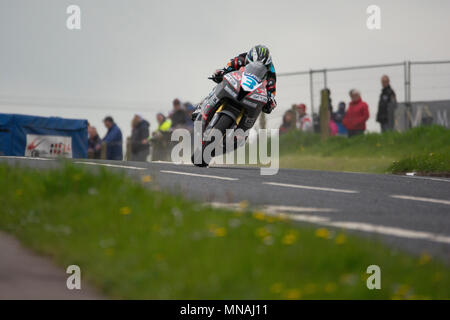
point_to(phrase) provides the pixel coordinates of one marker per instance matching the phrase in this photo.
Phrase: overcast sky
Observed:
(136, 56)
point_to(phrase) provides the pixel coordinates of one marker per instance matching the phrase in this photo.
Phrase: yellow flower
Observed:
(109, 251)
(156, 227)
(76, 177)
(258, 215)
(125, 210)
(158, 257)
(289, 238)
(402, 291)
(341, 238)
(220, 232)
(262, 232)
(424, 259)
(217, 231)
(330, 287)
(19, 192)
(322, 233)
(437, 277)
(378, 144)
(146, 179)
(276, 287)
(292, 294)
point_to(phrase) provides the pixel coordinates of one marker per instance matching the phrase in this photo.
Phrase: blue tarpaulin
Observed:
(23, 135)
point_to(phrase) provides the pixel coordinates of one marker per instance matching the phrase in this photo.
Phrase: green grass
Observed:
(371, 152)
(133, 241)
(438, 163)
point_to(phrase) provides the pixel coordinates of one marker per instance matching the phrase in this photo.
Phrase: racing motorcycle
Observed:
(237, 100)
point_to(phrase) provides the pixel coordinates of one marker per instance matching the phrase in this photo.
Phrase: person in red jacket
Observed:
(357, 114)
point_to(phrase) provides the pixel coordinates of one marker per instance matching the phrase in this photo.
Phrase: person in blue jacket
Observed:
(113, 140)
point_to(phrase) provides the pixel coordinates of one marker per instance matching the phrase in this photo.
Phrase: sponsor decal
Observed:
(258, 97)
(231, 80)
(230, 91)
(48, 146)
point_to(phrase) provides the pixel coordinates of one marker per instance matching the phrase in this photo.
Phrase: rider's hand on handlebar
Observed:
(217, 76)
(270, 105)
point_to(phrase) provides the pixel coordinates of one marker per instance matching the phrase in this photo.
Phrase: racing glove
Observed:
(270, 105)
(217, 77)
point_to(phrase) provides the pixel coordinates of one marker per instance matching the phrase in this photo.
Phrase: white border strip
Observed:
(447, 202)
(110, 165)
(349, 225)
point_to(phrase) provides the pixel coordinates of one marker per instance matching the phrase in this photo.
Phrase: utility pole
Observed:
(324, 113)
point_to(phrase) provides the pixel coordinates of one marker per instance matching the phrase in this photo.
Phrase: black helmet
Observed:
(259, 53)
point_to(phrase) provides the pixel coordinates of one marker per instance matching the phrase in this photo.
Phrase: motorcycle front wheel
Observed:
(223, 123)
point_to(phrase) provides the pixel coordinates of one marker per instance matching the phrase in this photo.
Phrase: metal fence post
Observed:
(311, 91)
(409, 82)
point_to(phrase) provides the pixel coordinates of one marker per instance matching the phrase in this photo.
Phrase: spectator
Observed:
(94, 144)
(139, 139)
(189, 110)
(178, 115)
(357, 114)
(288, 122)
(304, 122)
(386, 105)
(161, 139)
(338, 116)
(113, 140)
(332, 126)
(164, 124)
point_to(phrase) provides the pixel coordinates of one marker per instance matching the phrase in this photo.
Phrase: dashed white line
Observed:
(309, 187)
(110, 165)
(199, 175)
(447, 202)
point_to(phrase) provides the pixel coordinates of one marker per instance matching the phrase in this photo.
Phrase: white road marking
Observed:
(349, 225)
(421, 199)
(309, 187)
(272, 208)
(390, 231)
(189, 164)
(427, 178)
(199, 175)
(110, 165)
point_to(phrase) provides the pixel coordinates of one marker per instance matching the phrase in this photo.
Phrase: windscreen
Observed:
(257, 69)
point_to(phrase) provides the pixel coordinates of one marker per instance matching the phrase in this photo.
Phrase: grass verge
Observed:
(378, 153)
(133, 241)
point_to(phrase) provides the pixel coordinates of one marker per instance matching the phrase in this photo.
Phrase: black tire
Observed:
(223, 123)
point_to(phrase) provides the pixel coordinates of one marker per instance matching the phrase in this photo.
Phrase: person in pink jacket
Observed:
(357, 114)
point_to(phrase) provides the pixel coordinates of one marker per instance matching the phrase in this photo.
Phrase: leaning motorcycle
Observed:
(237, 100)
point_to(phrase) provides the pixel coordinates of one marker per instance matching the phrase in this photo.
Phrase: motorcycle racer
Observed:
(258, 53)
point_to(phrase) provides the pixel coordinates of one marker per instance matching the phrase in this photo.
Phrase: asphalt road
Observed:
(410, 213)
